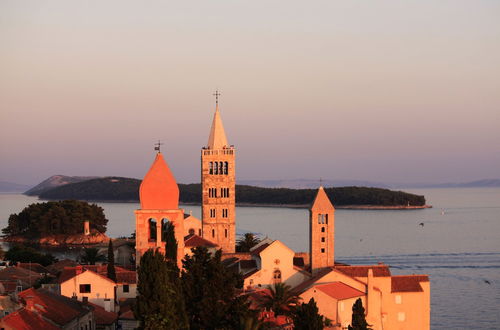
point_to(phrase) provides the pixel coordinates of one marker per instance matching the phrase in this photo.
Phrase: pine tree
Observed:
(111, 262)
(358, 321)
(160, 304)
(170, 242)
(306, 317)
(210, 292)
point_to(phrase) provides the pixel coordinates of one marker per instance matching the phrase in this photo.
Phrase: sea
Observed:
(456, 242)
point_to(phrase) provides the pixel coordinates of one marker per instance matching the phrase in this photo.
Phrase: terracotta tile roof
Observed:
(237, 255)
(34, 267)
(339, 290)
(298, 261)
(19, 273)
(362, 271)
(122, 275)
(248, 264)
(26, 320)
(408, 283)
(307, 284)
(102, 317)
(193, 240)
(259, 249)
(126, 277)
(9, 286)
(59, 309)
(59, 266)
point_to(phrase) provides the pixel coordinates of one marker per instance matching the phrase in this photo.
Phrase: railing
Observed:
(211, 152)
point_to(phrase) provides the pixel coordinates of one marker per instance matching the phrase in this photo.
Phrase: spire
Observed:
(217, 138)
(158, 190)
(322, 202)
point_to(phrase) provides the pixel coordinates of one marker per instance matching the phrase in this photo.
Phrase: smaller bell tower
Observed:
(322, 232)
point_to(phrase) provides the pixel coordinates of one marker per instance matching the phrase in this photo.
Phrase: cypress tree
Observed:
(111, 262)
(358, 321)
(306, 317)
(170, 242)
(160, 304)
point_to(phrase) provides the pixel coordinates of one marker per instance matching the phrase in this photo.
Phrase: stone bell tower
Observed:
(322, 232)
(159, 197)
(218, 186)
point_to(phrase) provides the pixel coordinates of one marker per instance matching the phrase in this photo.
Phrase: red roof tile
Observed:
(34, 267)
(193, 240)
(122, 275)
(59, 309)
(26, 320)
(102, 317)
(408, 283)
(339, 290)
(362, 271)
(258, 250)
(307, 284)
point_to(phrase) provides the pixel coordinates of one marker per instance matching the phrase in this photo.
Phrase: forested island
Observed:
(55, 223)
(119, 189)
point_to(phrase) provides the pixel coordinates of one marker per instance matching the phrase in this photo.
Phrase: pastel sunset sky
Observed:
(389, 91)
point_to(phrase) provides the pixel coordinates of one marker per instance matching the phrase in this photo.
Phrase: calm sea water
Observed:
(458, 246)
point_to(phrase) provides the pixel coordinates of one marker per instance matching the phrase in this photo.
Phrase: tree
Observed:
(52, 218)
(170, 242)
(91, 256)
(307, 317)
(19, 253)
(111, 262)
(210, 292)
(358, 321)
(160, 304)
(280, 299)
(247, 242)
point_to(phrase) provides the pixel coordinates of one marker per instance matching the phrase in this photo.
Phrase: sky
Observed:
(387, 91)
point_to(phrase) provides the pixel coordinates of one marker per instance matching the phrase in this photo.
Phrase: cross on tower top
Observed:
(216, 94)
(158, 146)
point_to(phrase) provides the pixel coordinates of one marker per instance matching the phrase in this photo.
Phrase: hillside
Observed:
(127, 189)
(55, 181)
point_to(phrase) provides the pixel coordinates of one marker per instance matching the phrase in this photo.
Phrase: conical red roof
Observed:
(159, 190)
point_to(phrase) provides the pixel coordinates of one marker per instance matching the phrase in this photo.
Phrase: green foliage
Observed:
(281, 299)
(170, 242)
(19, 253)
(91, 256)
(247, 242)
(358, 321)
(111, 271)
(116, 188)
(307, 317)
(160, 303)
(210, 292)
(43, 280)
(52, 218)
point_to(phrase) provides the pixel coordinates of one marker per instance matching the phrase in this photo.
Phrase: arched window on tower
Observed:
(152, 229)
(165, 223)
(213, 232)
(211, 168)
(277, 276)
(326, 218)
(221, 168)
(191, 231)
(226, 167)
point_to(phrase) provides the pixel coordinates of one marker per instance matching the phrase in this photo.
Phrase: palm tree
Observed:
(280, 299)
(247, 242)
(91, 256)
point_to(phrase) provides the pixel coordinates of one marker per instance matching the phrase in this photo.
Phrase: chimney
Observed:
(85, 300)
(107, 305)
(30, 303)
(78, 269)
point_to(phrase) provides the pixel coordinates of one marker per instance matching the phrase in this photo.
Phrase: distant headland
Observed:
(121, 189)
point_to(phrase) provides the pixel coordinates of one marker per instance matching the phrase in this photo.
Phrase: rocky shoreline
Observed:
(93, 238)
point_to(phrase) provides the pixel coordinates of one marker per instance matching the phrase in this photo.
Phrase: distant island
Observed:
(120, 189)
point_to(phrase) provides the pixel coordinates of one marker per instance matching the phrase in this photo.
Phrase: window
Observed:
(152, 229)
(398, 299)
(221, 168)
(224, 213)
(326, 218)
(164, 228)
(85, 288)
(277, 276)
(226, 166)
(225, 233)
(211, 168)
(213, 232)
(401, 316)
(322, 250)
(191, 231)
(322, 229)
(321, 218)
(212, 213)
(322, 239)
(126, 288)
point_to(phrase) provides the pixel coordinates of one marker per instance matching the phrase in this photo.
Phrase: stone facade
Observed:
(322, 232)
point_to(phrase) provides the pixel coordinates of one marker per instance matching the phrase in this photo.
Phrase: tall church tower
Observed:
(218, 187)
(159, 197)
(322, 232)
